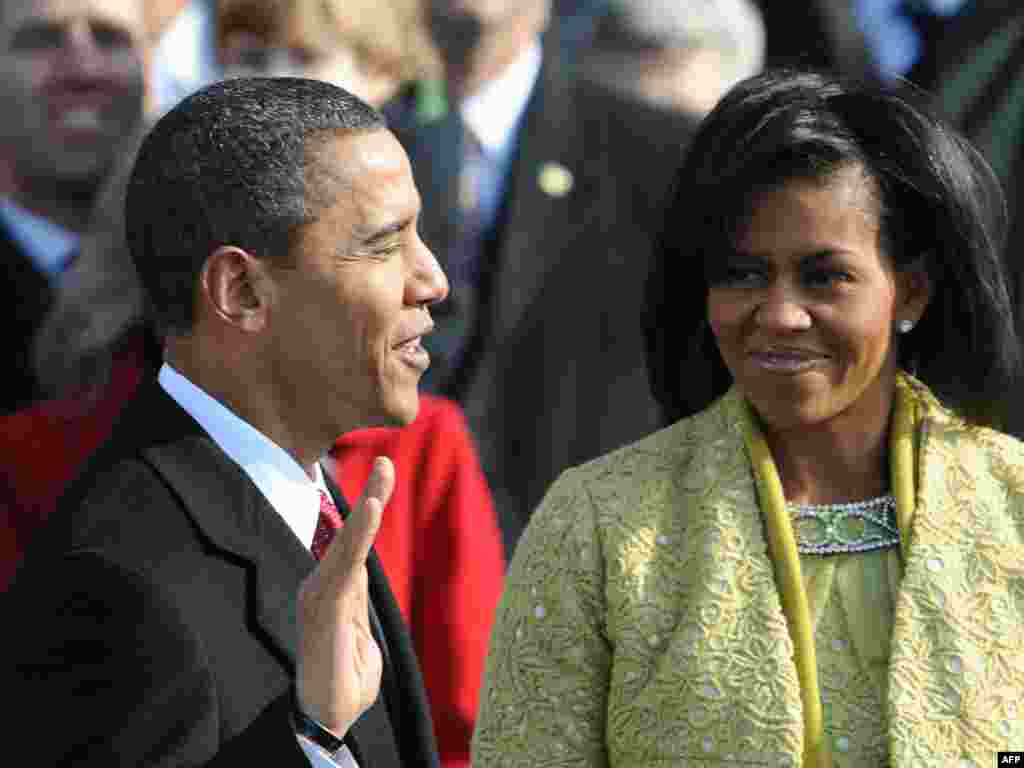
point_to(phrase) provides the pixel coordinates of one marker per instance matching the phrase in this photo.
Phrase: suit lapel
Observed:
(237, 520)
(229, 510)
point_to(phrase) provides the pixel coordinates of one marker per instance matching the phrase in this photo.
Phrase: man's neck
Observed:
(232, 385)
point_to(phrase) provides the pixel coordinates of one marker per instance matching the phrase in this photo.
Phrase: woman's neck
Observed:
(838, 462)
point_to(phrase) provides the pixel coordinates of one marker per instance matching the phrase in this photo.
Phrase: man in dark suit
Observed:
(72, 88)
(546, 240)
(154, 620)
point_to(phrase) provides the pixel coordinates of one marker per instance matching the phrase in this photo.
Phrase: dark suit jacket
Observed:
(556, 372)
(153, 620)
(25, 297)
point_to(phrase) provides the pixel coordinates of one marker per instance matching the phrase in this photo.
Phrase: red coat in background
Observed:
(42, 448)
(439, 540)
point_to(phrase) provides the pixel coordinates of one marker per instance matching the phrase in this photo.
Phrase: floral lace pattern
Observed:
(641, 623)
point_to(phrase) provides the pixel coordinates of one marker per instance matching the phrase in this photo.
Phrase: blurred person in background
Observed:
(533, 178)
(575, 22)
(71, 80)
(370, 47)
(92, 350)
(680, 55)
(979, 84)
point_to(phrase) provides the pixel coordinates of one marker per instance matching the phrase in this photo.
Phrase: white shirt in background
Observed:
(494, 114)
(49, 246)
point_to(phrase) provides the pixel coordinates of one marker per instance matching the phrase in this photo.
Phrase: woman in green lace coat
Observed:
(820, 562)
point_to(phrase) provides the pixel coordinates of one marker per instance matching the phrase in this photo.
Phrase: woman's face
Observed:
(804, 310)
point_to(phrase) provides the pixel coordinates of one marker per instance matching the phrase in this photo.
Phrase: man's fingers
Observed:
(381, 481)
(352, 543)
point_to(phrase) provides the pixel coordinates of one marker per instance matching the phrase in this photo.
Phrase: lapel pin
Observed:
(555, 180)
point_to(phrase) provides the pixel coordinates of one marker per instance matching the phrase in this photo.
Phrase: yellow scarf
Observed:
(782, 545)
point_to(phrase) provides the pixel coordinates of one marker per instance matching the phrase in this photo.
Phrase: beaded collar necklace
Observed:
(860, 526)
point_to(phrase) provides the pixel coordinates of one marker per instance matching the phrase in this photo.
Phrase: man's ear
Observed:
(234, 288)
(915, 290)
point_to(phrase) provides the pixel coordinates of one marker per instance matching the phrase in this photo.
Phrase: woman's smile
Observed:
(785, 360)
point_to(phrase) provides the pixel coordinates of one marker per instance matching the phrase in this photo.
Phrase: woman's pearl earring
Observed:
(905, 326)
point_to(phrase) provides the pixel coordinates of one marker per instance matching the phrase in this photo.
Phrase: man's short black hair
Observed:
(940, 206)
(230, 165)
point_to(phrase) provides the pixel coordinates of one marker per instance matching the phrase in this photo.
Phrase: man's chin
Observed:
(396, 411)
(400, 412)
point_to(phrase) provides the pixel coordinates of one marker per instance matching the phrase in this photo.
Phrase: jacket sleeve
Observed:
(105, 673)
(548, 670)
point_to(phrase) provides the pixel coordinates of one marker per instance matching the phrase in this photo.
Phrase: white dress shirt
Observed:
(48, 245)
(493, 115)
(287, 487)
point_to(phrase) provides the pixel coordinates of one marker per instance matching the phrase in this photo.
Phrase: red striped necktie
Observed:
(328, 524)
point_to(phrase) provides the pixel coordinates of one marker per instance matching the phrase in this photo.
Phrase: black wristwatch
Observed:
(312, 730)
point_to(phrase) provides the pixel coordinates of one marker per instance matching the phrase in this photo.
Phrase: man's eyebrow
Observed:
(389, 230)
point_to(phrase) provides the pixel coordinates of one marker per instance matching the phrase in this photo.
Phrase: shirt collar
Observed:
(493, 112)
(278, 476)
(48, 245)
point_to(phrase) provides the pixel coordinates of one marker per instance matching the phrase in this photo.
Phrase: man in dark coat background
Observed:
(542, 195)
(171, 611)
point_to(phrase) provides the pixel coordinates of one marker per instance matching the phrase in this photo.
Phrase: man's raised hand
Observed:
(340, 664)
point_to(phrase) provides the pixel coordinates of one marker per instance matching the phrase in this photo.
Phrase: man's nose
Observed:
(429, 284)
(82, 53)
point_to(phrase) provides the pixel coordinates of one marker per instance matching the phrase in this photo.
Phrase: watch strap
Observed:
(314, 731)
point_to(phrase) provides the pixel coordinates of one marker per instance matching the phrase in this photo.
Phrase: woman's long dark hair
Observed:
(939, 203)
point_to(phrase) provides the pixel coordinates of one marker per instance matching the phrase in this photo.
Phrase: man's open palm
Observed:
(340, 664)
